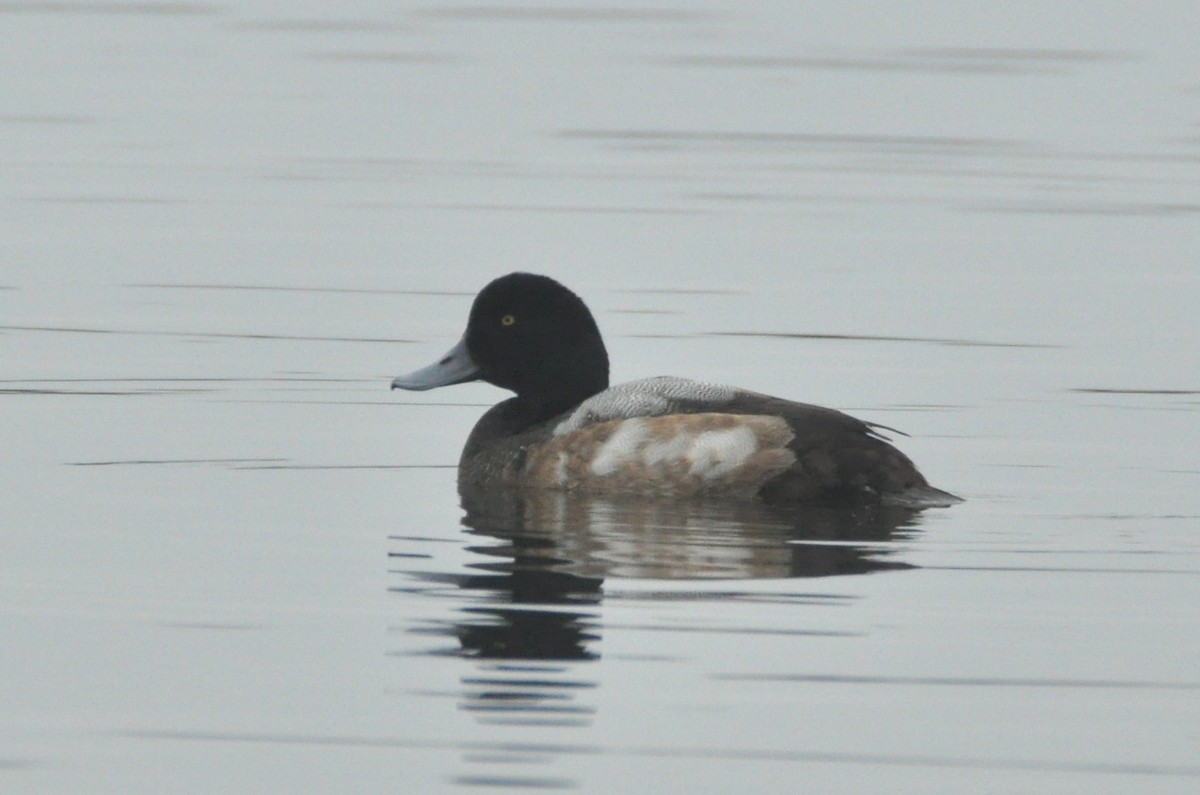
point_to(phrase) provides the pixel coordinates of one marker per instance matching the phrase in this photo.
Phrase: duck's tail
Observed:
(924, 496)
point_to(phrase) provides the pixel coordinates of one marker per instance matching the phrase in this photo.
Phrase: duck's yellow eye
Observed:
(507, 320)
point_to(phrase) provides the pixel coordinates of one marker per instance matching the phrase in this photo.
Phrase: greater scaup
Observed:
(567, 429)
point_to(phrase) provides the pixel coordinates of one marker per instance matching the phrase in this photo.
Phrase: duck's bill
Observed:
(455, 367)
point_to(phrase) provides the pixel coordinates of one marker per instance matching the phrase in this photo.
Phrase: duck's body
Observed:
(566, 429)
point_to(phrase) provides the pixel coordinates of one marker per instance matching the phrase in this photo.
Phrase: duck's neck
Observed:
(541, 405)
(510, 417)
(560, 382)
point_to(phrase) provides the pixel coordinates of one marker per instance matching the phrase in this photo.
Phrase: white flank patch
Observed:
(714, 454)
(708, 454)
(560, 469)
(667, 450)
(624, 445)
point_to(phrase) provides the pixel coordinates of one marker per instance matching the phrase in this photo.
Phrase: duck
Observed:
(566, 428)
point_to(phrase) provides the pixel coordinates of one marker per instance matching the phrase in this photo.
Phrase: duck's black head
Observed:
(529, 334)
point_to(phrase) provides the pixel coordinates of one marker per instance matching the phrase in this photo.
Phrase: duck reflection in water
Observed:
(535, 598)
(553, 550)
(593, 538)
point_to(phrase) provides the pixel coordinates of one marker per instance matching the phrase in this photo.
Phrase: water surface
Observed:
(233, 561)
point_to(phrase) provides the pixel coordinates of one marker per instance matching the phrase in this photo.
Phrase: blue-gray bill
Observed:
(455, 367)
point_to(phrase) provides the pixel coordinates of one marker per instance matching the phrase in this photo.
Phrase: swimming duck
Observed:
(567, 429)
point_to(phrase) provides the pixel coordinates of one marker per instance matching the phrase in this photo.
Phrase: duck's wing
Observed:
(663, 395)
(648, 397)
(834, 453)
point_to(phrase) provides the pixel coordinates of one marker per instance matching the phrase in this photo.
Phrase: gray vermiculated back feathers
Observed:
(648, 397)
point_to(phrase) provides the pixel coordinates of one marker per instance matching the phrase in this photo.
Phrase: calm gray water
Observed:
(232, 561)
